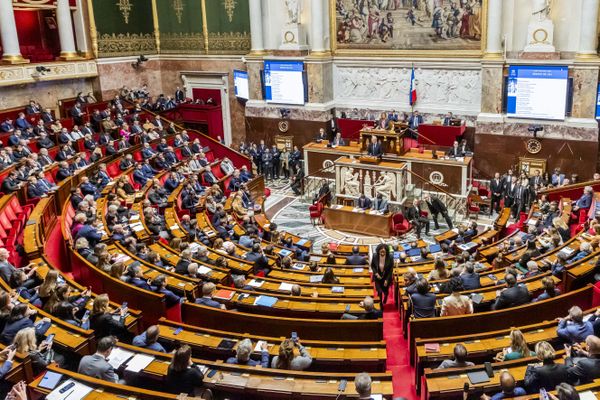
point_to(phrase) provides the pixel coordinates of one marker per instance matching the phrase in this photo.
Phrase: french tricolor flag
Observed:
(413, 88)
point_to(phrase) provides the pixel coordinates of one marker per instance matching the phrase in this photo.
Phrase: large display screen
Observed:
(538, 92)
(240, 84)
(284, 82)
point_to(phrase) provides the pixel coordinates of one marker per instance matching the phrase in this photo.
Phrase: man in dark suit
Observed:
(356, 258)
(337, 140)
(521, 198)
(415, 120)
(585, 367)
(7, 126)
(537, 180)
(332, 126)
(363, 202)
(97, 365)
(138, 175)
(47, 116)
(447, 119)
(455, 150)
(63, 172)
(496, 188)
(179, 95)
(413, 214)
(374, 148)
(322, 135)
(469, 278)
(77, 114)
(11, 183)
(514, 295)
(267, 161)
(33, 108)
(510, 185)
(436, 206)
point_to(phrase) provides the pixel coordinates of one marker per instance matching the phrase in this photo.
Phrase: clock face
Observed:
(533, 146)
(283, 126)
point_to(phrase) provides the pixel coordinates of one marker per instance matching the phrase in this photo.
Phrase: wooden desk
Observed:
(364, 223)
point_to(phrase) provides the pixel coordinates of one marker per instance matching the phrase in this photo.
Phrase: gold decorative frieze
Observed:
(181, 43)
(178, 7)
(232, 42)
(229, 8)
(26, 73)
(125, 7)
(125, 44)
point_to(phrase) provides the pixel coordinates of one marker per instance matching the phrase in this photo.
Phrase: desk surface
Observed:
(349, 219)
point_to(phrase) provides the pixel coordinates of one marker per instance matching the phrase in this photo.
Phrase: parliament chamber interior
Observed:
(299, 199)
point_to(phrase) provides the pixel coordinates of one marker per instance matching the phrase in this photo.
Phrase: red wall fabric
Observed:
(38, 41)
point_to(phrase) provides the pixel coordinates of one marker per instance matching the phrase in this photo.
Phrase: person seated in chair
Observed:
(363, 202)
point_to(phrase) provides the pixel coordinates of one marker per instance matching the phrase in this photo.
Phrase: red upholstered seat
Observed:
(400, 224)
(316, 211)
(472, 208)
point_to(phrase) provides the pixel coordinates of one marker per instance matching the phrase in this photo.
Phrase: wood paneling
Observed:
(303, 132)
(498, 153)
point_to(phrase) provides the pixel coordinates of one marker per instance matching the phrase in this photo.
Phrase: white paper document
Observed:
(139, 362)
(118, 356)
(75, 392)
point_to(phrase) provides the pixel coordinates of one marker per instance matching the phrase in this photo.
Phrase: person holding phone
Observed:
(41, 355)
(288, 359)
(104, 324)
(7, 354)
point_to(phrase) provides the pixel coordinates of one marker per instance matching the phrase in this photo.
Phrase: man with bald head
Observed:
(583, 363)
(509, 388)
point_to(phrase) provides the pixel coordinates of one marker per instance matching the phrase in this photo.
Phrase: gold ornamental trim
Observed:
(228, 42)
(125, 7)
(229, 8)
(113, 45)
(182, 43)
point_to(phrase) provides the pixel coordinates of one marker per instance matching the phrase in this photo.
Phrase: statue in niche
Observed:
(541, 9)
(292, 10)
(351, 182)
(386, 185)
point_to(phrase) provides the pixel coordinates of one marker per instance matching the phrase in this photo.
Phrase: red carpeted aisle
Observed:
(397, 352)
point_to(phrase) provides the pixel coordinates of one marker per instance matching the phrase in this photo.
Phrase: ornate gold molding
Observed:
(178, 7)
(229, 8)
(227, 43)
(182, 43)
(125, 7)
(125, 44)
(11, 75)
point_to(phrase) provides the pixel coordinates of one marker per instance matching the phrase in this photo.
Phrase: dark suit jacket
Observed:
(512, 297)
(548, 376)
(363, 202)
(583, 370)
(356, 259)
(413, 213)
(497, 187)
(374, 149)
(436, 206)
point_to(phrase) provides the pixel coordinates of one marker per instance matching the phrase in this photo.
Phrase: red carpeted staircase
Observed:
(397, 352)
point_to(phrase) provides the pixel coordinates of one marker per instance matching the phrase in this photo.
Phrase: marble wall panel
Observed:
(584, 97)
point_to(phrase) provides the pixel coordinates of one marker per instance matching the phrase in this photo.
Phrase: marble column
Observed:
(65, 30)
(256, 28)
(317, 31)
(494, 30)
(8, 33)
(81, 29)
(588, 39)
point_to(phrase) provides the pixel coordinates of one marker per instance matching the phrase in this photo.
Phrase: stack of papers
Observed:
(285, 287)
(173, 227)
(298, 267)
(337, 289)
(137, 227)
(316, 278)
(256, 284)
(202, 270)
(118, 356)
(358, 270)
(75, 392)
(139, 362)
(301, 242)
